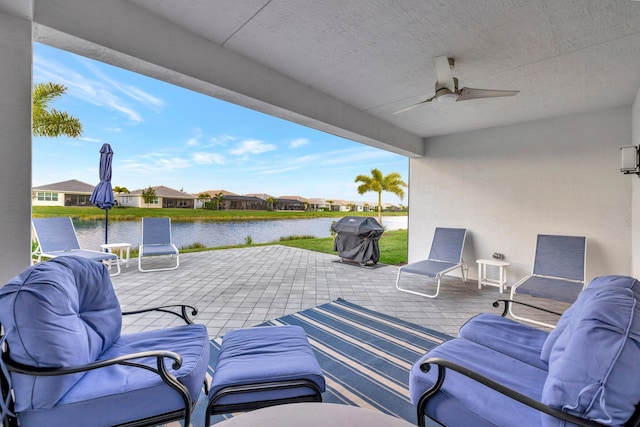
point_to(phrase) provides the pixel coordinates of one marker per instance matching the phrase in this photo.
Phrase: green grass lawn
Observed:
(393, 246)
(90, 213)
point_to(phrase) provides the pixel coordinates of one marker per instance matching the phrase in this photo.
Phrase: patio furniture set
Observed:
(64, 358)
(57, 237)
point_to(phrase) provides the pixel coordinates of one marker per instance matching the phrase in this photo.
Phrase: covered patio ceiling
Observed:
(346, 66)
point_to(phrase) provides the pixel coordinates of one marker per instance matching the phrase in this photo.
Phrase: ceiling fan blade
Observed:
(444, 74)
(414, 105)
(467, 93)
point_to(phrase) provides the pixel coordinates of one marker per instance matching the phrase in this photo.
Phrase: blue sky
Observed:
(167, 135)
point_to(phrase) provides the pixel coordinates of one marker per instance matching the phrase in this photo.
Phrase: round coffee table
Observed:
(314, 415)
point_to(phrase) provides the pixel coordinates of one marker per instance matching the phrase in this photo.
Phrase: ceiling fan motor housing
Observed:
(443, 94)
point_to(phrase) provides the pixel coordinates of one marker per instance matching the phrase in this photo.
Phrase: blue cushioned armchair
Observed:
(499, 372)
(65, 362)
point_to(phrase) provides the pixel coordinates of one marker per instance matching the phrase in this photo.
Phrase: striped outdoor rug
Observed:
(365, 355)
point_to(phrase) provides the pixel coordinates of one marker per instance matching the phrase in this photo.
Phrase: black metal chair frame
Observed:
(443, 365)
(213, 408)
(127, 360)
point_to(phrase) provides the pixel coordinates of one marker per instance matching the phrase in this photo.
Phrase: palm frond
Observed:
(51, 123)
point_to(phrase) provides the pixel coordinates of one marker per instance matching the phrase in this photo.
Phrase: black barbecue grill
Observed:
(357, 239)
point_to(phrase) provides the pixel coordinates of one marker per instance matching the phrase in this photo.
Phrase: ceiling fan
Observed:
(447, 87)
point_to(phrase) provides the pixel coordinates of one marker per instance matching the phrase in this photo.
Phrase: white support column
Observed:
(15, 144)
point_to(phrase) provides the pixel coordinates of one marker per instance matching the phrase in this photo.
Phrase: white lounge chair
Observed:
(558, 273)
(57, 237)
(445, 255)
(156, 241)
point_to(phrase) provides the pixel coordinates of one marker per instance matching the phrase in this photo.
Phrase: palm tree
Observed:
(119, 190)
(204, 198)
(391, 183)
(219, 198)
(50, 122)
(271, 203)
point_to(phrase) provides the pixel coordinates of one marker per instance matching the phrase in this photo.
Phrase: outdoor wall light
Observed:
(630, 159)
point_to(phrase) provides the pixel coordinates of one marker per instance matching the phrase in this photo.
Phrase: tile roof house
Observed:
(165, 198)
(291, 203)
(316, 204)
(214, 192)
(237, 202)
(64, 193)
(263, 196)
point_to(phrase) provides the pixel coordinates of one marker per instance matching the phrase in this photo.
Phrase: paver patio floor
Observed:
(235, 288)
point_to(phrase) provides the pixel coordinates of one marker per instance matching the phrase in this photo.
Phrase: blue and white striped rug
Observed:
(365, 355)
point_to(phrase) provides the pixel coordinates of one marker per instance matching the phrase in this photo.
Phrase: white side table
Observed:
(123, 250)
(501, 282)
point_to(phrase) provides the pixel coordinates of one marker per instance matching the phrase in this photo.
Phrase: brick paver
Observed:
(235, 288)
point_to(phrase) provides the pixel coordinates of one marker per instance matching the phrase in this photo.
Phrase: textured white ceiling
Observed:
(564, 56)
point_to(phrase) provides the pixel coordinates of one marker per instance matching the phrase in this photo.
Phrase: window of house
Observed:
(47, 196)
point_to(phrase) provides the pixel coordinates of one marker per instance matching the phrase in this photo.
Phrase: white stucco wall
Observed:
(635, 228)
(508, 184)
(15, 144)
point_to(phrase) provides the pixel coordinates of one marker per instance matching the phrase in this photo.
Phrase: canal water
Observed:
(216, 233)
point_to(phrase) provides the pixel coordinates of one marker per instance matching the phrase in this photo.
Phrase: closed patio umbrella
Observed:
(102, 195)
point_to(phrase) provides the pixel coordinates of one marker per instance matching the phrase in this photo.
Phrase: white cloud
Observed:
(221, 140)
(173, 163)
(286, 165)
(195, 140)
(252, 146)
(353, 156)
(155, 165)
(298, 142)
(97, 89)
(124, 109)
(279, 170)
(84, 138)
(143, 97)
(128, 90)
(207, 158)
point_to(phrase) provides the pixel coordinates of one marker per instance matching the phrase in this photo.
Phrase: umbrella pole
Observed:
(106, 226)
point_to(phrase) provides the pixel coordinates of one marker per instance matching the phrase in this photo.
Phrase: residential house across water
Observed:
(165, 198)
(64, 193)
(77, 193)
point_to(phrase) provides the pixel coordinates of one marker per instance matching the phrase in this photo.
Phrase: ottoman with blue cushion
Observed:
(264, 366)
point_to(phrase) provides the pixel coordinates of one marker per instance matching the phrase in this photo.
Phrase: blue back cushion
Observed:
(593, 354)
(156, 231)
(447, 244)
(560, 256)
(58, 313)
(55, 234)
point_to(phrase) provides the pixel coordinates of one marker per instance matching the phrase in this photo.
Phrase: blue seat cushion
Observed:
(110, 396)
(428, 267)
(265, 354)
(593, 360)
(153, 250)
(59, 313)
(508, 337)
(464, 402)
